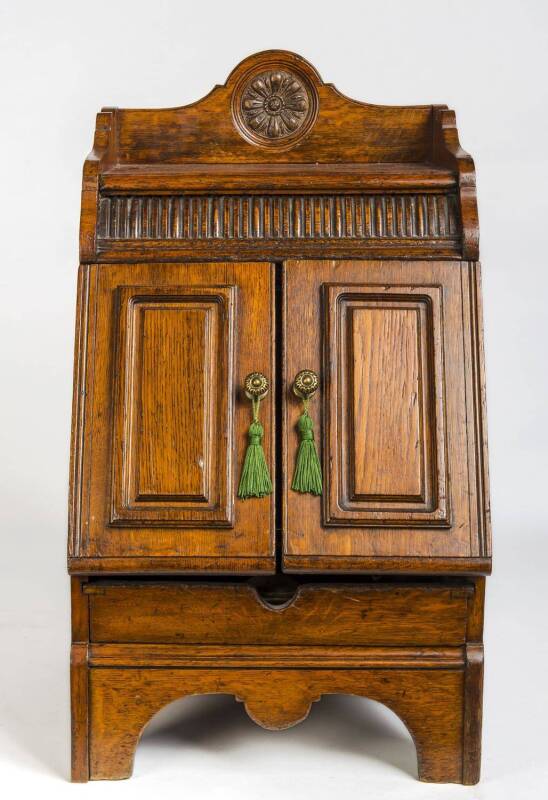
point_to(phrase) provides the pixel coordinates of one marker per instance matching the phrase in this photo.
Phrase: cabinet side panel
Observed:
(477, 443)
(81, 339)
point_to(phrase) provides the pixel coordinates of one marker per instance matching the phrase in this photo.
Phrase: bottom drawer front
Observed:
(317, 614)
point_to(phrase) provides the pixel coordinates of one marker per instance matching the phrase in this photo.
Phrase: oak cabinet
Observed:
(278, 480)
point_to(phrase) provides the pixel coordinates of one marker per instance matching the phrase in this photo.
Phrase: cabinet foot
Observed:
(441, 707)
(79, 692)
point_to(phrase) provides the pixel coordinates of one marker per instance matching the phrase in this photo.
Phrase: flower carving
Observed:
(275, 104)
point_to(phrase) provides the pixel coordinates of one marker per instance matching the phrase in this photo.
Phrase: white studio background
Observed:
(62, 61)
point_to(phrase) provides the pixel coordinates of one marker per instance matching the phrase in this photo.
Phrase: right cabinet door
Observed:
(398, 414)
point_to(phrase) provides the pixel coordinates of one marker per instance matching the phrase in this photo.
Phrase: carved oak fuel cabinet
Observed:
(279, 471)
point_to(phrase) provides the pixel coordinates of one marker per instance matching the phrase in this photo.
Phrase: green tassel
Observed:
(255, 479)
(308, 471)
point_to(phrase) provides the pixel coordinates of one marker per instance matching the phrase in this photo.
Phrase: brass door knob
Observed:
(305, 384)
(256, 386)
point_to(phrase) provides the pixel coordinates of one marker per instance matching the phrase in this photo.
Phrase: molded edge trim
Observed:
(281, 656)
(385, 564)
(172, 565)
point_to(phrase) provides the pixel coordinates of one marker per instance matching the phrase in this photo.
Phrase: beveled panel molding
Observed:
(174, 375)
(384, 406)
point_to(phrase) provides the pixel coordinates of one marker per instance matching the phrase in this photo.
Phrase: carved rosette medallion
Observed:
(274, 107)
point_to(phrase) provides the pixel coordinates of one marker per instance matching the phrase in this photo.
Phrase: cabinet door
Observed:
(396, 415)
(165, 422)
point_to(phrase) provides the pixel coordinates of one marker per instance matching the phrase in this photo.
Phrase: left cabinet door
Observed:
(160, 420)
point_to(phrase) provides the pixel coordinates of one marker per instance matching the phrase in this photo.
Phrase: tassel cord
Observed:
(307, 478)
(255, 479)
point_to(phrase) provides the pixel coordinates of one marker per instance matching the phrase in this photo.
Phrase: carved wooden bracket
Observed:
(447, 150)
(289, 710)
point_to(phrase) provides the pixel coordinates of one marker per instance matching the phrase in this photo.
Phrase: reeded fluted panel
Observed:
(403, 216)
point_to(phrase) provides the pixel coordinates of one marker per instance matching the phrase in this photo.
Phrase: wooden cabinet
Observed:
(275, 229)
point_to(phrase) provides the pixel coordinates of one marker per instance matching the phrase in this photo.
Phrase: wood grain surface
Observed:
(384, 614)
(366, 407)
(429, 702)
(159, 413)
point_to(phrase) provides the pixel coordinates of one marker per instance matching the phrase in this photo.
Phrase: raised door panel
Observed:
(173, 407)
(396, 420)
(385, 425)
(162, 429)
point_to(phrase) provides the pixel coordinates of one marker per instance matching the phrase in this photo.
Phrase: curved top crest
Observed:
(274, 107)
(275, 123)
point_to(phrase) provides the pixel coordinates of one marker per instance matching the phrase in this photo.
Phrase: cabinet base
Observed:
(436, 692)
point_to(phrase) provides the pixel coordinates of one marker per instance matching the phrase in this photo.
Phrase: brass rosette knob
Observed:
(256, 386)
(305, 384)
